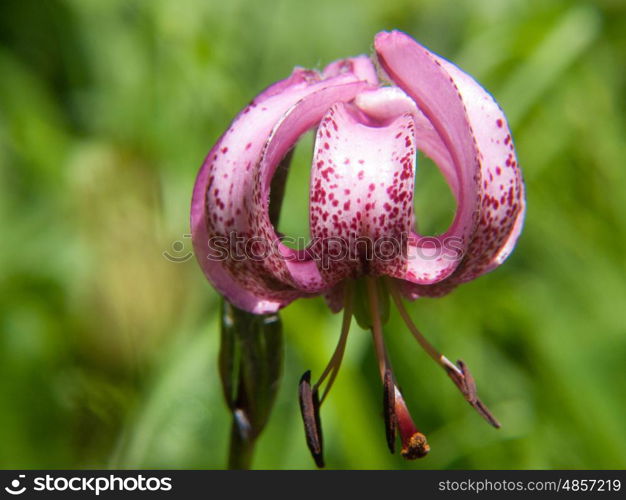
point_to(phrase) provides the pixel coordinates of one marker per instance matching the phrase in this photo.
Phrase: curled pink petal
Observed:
(502, 203)
(418, 73)
(221, 198)
(473, 130)
(361, 202)
(297, 268)
(385, 103)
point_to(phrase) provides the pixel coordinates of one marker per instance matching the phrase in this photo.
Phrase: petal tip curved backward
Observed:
(361, 66)
(387, 39)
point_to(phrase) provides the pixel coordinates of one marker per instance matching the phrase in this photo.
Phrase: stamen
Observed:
(310, 402)
(335, 361)
(310, 409)
(464, 380)
(389, 407)
(459, 373)
(396, 412)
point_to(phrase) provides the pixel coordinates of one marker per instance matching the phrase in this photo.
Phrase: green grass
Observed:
(108, 350)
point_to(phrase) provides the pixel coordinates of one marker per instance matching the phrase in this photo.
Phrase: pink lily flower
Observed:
(364, 246)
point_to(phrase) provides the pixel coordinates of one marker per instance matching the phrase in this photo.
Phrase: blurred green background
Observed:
(108, 349)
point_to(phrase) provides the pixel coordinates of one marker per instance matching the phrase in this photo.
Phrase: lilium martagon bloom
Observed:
(371, 118)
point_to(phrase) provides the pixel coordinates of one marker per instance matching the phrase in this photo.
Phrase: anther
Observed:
(310, 409)
(389, 406)
(463, 379)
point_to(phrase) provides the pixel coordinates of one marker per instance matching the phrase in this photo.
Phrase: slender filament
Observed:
(335, 361)
(423, 342)
(377, 332)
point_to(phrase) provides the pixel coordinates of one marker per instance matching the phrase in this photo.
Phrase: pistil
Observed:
(397, 415)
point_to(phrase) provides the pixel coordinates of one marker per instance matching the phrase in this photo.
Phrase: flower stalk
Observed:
(250, 366)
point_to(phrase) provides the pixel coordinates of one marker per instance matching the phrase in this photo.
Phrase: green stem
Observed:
(241, 449)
